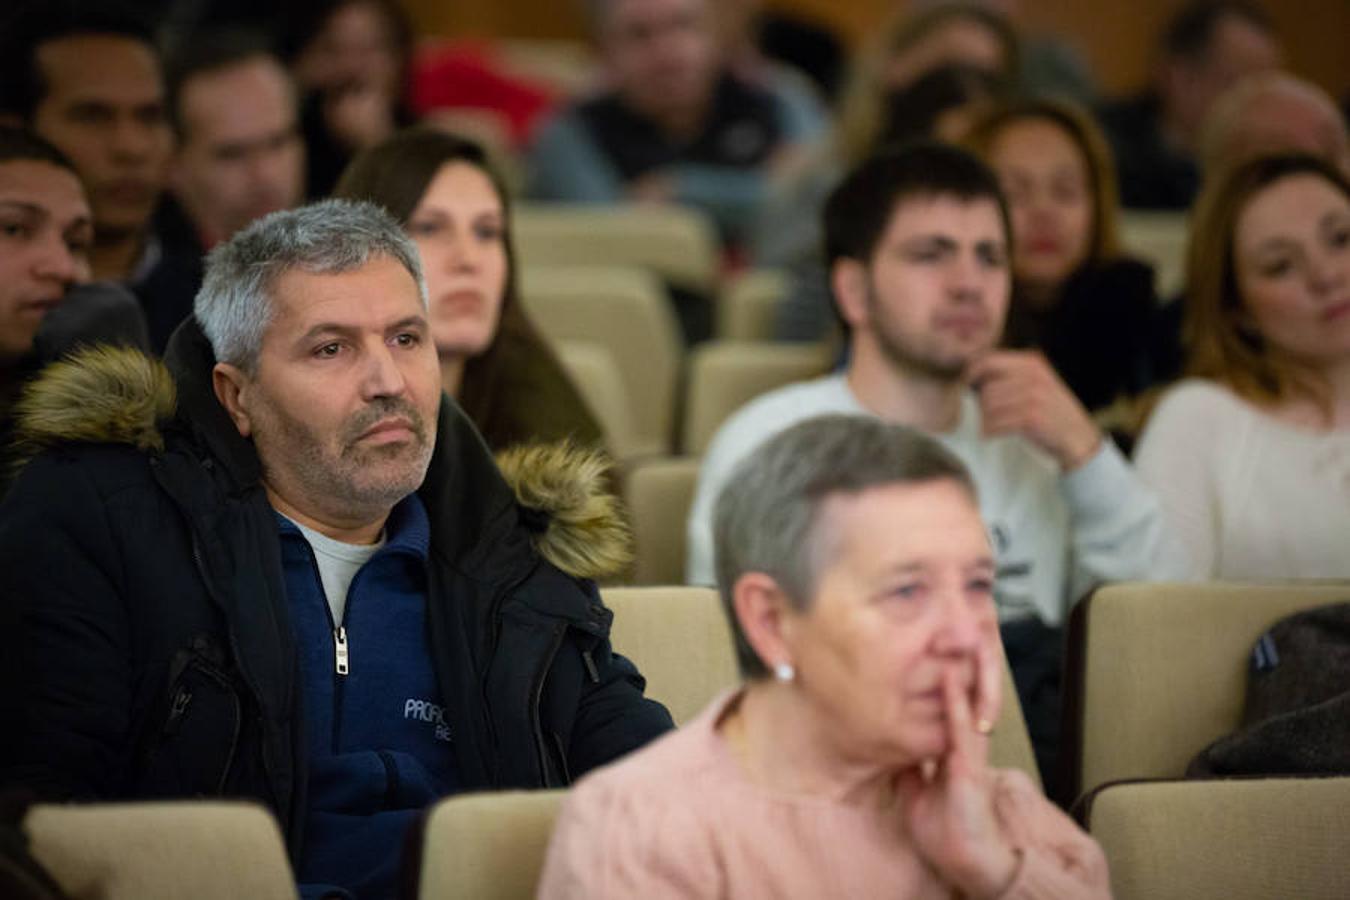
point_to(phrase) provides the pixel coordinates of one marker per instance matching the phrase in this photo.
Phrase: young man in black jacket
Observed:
(284, 566)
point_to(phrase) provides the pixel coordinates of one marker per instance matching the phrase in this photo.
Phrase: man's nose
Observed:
(56, 261)
(132, 139)
(384, 377)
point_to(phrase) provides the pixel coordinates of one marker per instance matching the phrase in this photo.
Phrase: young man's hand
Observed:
(1020, 393)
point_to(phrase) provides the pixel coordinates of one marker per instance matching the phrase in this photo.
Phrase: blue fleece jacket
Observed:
(378, 747)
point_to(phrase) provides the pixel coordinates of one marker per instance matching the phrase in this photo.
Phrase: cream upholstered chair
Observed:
(626, 311)
(1164, 669)
(679, 639)
(1159, 239)
(748, 305)
(725, 375)
(593, 370)
(487, 846)
(659, 493)
(162, 851)
(1241, 839)
(676, 243)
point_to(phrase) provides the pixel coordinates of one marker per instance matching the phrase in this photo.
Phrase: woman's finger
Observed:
(960, 728)
(989, 679)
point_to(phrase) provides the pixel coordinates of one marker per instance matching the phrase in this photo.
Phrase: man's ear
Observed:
(764, 613)
(848, 280)
(231, 387)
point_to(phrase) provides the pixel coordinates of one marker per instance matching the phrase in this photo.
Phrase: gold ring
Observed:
(984, 726)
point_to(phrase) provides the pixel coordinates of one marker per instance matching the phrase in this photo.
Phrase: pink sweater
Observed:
(679, 819)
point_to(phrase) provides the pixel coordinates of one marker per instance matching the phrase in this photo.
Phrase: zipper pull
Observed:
(340, 649)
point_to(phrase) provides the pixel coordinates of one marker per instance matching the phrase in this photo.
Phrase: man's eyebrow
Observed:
(932, 237)
(413, 321)
(24, 206)
(325, 328)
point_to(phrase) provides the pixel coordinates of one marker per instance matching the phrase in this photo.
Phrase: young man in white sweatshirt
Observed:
(917, 244)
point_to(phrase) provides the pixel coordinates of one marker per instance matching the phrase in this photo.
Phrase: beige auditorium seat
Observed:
(593, 370)
(725, 375)
(748, 306)
(679, 639)
(487, 846)
(626, 311)
(1159, 239)
(1225, 840)
(1164, 670)
(162, 851)
(676, 243)
(659, 493)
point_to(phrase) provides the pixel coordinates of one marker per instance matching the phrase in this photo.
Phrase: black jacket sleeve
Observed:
(67, 685)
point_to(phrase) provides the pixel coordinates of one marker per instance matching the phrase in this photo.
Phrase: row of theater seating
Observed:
(1161, 674)
(594, 280)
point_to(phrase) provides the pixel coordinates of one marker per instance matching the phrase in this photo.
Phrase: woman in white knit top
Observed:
(1251, 456)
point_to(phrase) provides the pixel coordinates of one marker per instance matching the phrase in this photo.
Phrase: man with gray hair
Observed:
(282, 566)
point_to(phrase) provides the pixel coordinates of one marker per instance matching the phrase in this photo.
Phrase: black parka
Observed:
(146, 622)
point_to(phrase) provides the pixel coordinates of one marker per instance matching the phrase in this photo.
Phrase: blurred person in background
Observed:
(924, 75)
(675, 124)
(493, 361)
(350, 60)
(853, 761)
(239, 154)
(1206, 48)
(1264, 114)
(919, 248)
(1250, 455)
(1076, 296)
(47, 305)
(87, 77)
(1270, 113)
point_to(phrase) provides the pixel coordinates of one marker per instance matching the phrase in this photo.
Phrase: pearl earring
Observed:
(784, 672)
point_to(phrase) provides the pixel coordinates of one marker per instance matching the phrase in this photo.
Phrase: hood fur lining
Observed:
(586, 535)
(98, 395)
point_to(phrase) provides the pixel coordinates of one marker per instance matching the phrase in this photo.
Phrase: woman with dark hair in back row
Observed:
(493, 361)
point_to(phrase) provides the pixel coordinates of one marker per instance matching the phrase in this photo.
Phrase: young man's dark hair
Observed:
(30, 24)
(206, 52)
(858, 210)
(20, 143)
(1190, 31)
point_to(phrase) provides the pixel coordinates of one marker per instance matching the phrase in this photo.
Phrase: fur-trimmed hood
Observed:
(121, 396)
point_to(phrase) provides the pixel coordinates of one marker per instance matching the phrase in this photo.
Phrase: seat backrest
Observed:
(1159, 239)
(1165, 669)
(627, 312)
(725, 375)
(1244, 839)
(659, 493)
(679, 639)
(748, 307)
(592, 368)
(162, 851)
(676, 243)
(487, 846)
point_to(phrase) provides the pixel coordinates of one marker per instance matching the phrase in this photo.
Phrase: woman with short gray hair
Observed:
(857, 577)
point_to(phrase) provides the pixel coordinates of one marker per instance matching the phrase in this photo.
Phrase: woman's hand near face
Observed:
(951, 812)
